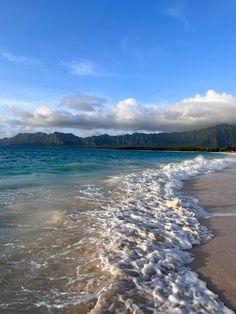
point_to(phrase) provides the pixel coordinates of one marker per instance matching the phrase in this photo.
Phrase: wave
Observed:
(118, 245)
(147, 228)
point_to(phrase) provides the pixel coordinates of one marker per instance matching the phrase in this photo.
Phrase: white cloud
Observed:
(18, 59)
(211, 96)
(128, 115)
(42, 112)
(201, 111)
(81, 68)
(86, 68)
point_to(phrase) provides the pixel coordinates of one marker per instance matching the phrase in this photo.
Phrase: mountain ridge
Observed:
(223, 135)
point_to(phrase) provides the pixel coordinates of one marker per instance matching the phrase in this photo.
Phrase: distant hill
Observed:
(220, 136)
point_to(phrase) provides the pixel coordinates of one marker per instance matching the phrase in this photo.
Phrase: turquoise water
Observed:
(78, 226)
(20, 167)
(58, 168)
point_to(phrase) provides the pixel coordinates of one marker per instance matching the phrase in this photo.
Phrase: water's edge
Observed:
(205, 218)
(161, 267)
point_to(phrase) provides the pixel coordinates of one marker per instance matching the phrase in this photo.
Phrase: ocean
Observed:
(102, 231)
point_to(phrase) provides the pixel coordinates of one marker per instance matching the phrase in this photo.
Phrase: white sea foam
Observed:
(121, 247)
(147, 229)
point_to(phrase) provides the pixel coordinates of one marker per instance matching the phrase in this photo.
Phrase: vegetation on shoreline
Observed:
(221, 138)
(184, 149)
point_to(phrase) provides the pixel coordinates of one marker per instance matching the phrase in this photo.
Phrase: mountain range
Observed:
(220, 136)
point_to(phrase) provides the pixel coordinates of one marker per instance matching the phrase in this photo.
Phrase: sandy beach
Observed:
(215, 260)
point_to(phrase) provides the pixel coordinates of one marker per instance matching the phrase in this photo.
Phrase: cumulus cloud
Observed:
(82, 102)
(202, 111)
(128, 115)
(18, 59)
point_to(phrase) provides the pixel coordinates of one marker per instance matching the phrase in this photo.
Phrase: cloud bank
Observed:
(87, 112)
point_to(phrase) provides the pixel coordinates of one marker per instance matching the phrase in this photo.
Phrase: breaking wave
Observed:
(119, 245)
(147, 227)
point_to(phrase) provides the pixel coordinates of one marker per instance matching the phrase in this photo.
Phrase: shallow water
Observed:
(101, 231)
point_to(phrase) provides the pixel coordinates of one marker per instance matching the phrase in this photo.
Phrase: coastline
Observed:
(214, 261)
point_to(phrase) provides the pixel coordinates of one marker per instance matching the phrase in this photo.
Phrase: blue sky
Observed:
(155, 53)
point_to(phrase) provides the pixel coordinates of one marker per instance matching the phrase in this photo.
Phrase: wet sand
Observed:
(215, 261)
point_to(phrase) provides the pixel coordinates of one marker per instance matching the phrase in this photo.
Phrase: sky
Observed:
(101, 66)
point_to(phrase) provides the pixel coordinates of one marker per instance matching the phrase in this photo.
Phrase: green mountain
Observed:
(220, 136)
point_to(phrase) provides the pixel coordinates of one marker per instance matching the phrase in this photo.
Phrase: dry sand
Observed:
(215, 261)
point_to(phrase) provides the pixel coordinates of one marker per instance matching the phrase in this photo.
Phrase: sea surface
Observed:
(101, 231)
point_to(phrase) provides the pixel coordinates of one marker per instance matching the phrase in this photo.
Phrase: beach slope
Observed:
(215, 260)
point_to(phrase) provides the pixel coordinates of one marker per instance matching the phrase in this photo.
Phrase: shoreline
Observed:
(214, 260)
(175, 149)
